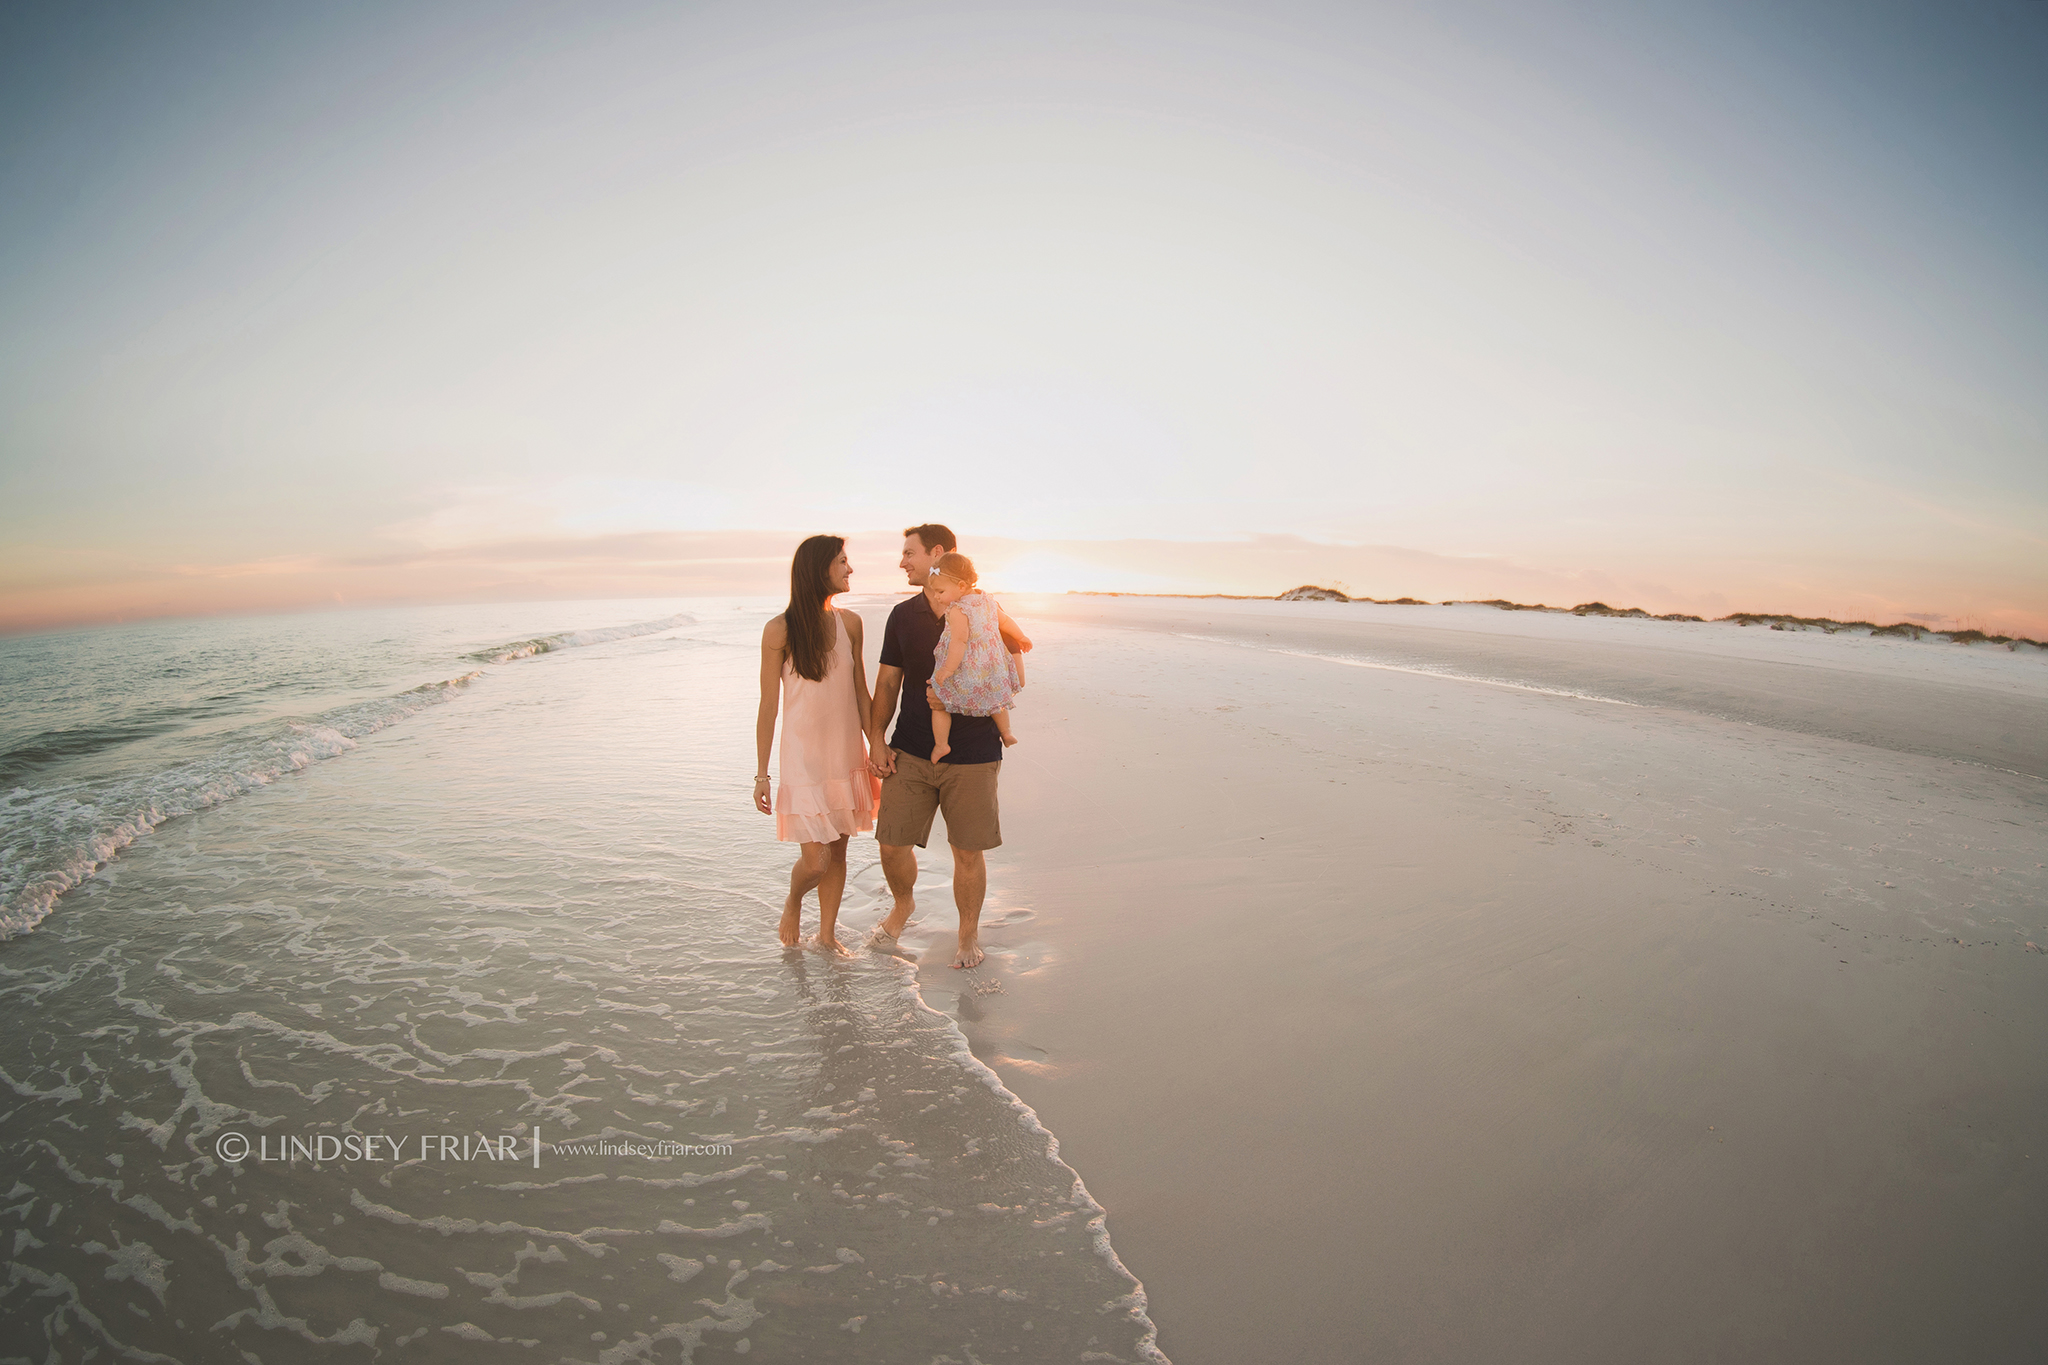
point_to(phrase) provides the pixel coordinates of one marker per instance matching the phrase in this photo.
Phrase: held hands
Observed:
(881, 758)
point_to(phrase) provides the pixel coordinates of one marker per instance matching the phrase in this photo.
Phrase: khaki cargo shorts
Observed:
(920, 788)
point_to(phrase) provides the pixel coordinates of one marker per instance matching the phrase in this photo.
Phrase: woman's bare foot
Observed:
(832, 945)
(792, 917)
(970, 953)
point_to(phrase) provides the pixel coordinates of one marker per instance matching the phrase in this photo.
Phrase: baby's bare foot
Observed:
(939, 751)
(1009, 740)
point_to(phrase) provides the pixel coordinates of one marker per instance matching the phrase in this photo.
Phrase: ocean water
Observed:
(401, 984)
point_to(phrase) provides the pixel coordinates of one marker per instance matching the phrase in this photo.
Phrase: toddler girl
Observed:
(973, 674)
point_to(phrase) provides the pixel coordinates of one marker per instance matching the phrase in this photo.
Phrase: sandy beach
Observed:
(1370, 983)
(1399, 1006)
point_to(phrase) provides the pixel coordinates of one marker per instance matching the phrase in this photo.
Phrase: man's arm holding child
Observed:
(1015, 641)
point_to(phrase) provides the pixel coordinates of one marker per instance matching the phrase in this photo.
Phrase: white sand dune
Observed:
(1415, 1011)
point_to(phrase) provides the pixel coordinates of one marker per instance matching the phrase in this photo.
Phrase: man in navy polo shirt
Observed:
(914, 789)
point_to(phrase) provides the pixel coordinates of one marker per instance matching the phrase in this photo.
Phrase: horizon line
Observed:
(1914, 625)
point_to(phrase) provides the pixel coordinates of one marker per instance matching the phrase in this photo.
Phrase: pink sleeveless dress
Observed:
(824, 789)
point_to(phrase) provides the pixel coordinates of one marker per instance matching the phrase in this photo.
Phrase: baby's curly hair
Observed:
(956, 566)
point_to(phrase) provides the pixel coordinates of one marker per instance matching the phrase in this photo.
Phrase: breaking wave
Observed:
(576, 639)
(54, 837)
(55, 834)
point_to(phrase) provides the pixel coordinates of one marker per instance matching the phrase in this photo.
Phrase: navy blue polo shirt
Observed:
(907, 643)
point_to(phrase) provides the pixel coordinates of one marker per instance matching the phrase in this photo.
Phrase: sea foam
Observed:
(54, 837)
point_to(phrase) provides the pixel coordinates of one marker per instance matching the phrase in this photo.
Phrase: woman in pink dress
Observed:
(811, 661)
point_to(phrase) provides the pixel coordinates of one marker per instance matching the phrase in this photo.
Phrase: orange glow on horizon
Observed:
(754, 563)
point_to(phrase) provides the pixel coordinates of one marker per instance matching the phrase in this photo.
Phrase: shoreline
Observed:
(432, 925)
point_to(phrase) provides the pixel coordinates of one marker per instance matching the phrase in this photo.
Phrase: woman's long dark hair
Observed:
(810, 587)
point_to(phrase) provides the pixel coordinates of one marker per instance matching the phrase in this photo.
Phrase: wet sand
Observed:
(1400, 1017)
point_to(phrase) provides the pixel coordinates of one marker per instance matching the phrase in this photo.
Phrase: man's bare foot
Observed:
(792, 917)
(970, 953)
(832, 945)
(939, 751)
(892, 923)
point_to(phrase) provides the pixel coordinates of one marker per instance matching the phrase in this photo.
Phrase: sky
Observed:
(1691, 307)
